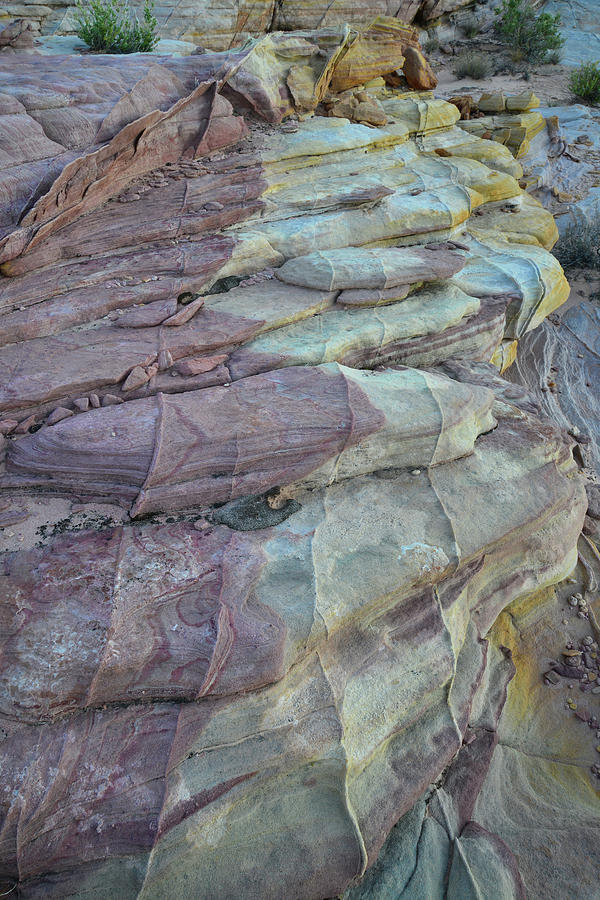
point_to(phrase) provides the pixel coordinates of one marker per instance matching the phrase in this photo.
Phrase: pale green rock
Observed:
(340, 333)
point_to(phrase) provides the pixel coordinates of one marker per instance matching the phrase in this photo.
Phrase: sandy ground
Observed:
(550, 83)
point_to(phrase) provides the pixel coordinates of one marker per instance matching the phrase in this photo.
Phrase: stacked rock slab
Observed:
(511, 120)
(252, 360)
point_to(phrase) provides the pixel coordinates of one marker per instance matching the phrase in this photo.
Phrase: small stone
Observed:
(95, 401)
(8, 425)
(551, 677)
(213, 205)
(415, 472)
(184, 315)
(110, 400)
(199, 365)
(136, 379)
(565, 621)
(152, 370)
(82, 403)
(596, 690)
(572, 601)
(201, 524)
(58, 415)
(24, 426)
(588, 639)
(165, 360)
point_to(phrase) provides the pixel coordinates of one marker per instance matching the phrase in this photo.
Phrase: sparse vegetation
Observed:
(110, 26)
(519, 27)
(584, 82)
(432, 44)
(579, 247)
(554, 57)
(470, 26)
(472, 65)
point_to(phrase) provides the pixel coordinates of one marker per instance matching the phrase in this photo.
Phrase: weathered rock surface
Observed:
(579, 26)
(221, 24)
(246, 378)
(559, 361)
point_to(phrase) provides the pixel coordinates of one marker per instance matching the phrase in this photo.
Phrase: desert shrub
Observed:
(111, 27)
(470, 27)
(472, 65)
(519, 27)
(553, 57)
(584, 82)
(579, 247)
(432, 44)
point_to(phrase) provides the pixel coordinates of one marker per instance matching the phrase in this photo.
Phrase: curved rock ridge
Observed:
(369, 269)
(559, 360)
(265, 496)
(313, 425)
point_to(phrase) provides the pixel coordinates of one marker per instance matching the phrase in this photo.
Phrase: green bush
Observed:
(579, 247)
(472, 65)
(518, 26)
(110, 26)
(584, 82)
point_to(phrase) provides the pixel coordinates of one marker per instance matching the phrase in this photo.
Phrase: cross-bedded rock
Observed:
(258, 345)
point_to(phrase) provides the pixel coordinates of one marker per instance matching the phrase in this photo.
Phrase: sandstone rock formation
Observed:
(266, 497)
(222, 24)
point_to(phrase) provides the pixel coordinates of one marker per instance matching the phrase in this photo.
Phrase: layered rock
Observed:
(252, 354)
(511, 120)
(327, 743)
(219, 25)
(559, 361)
(518, 789)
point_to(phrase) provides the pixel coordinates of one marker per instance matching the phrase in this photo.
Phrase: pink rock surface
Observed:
(255, 539)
